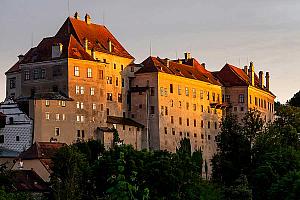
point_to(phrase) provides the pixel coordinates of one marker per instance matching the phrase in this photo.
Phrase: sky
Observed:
(216, 32)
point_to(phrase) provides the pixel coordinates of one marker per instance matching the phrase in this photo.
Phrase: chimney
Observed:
(187, 56)
(87, 19)
(246, 69)
(261, 79)
(86, 44)
(251, 73)
(109, 46)
(21, 57)
(76, 15)
(167, 62)
(179, 61)
(204, 65)
(267, 81)
(57, 50)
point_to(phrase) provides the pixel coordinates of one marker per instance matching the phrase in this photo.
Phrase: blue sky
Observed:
(266, 32)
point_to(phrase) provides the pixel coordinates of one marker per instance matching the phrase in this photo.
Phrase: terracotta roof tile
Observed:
(41, 150)
(198, 72)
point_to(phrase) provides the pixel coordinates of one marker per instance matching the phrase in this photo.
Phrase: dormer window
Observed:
(57, 50)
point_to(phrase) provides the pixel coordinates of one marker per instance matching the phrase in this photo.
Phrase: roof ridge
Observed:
(230, 66)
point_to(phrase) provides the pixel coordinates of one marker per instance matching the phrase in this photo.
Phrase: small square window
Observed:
(47, 103)
(17, 138)
(57, 131)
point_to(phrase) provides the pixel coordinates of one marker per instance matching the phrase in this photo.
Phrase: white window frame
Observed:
(89, 73)
(92, 92)
(76, 71)
(47, 116)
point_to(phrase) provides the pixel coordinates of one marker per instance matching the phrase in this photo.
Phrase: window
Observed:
(107, 111)
(81, 105)
(179, 104)
(12, 83)
(109, 96)
(132, 69)
(82, 133)
(213, 96)
(171, 88)
(120, 98)
(180, 121)
(78, 118)
(78, 105)
(81, 90)
(17, 138)
(101, 74)
(78, 133)
(47, 103)
(242, 109)
(188, 134)
(256, 101)
(207, 95)
(208, 109)
(202, 108)
(89, 73)
(166, 130)
(117, 81)
(123, 82)
(162, 91)
(208, 124)
(218, 98)
(57, 131)
(94, 106)
(208, 137)
(194, 92)
(227, 98)
(187, 122)
(173, 131)
(77, 89)
(76, 71)
(201, 94)
(195, 123)
(180, 133)
(162, 110)
(47, 116)
(235, 109)
(152, 110)
(109, 80)
(63, 117)
(115, 66)
(202, 136)
(172, 120)
(187, 105)
(172, 103)
(250, 99)
(216, 125)
(27, 75)
(195, 135)
(57, 117)
(241, 98)
(92, 91)
(82, 118)
(202, 124)
(179, 90)
(35, 74)
(186, 91)
(166, 110)
(122, 67)
(194, 107)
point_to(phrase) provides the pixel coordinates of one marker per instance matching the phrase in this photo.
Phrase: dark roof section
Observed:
(16, 67)
(105, 129)
(123, 120)
(29, 181)
(2, 115)
(47, 96)
(231, 75)
(196, 71)
(138, 89)
(41, 150)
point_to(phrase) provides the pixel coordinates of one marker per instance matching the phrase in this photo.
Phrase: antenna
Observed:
(150, 50)
(69, 7)
(31, 39)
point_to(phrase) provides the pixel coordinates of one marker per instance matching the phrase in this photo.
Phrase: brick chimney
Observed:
(246, 69)
(267, 81)
(109, 45)
(21, 57)
(187, 56)
(261, 79)
(87, 19)
(251, 73)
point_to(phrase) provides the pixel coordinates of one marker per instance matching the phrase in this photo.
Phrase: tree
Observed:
(239, 190)
(295, 100)
(70, 176)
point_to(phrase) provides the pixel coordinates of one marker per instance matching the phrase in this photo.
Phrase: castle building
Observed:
(81, 84)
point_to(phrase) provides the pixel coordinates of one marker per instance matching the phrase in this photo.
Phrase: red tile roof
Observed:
(72, 35)
(29, 181)
(2, 115)
(231, 75)
(198, 72)
(41, 150)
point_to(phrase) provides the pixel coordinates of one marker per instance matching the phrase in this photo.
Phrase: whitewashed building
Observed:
(16, 127)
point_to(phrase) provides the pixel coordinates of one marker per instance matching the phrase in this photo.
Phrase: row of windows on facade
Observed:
(213, 97)
(186, 134)
(62, 117)
(60, 103)
(194, 122)
(89, 71)
(164, 109)
(37, 74)
(2, 139)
